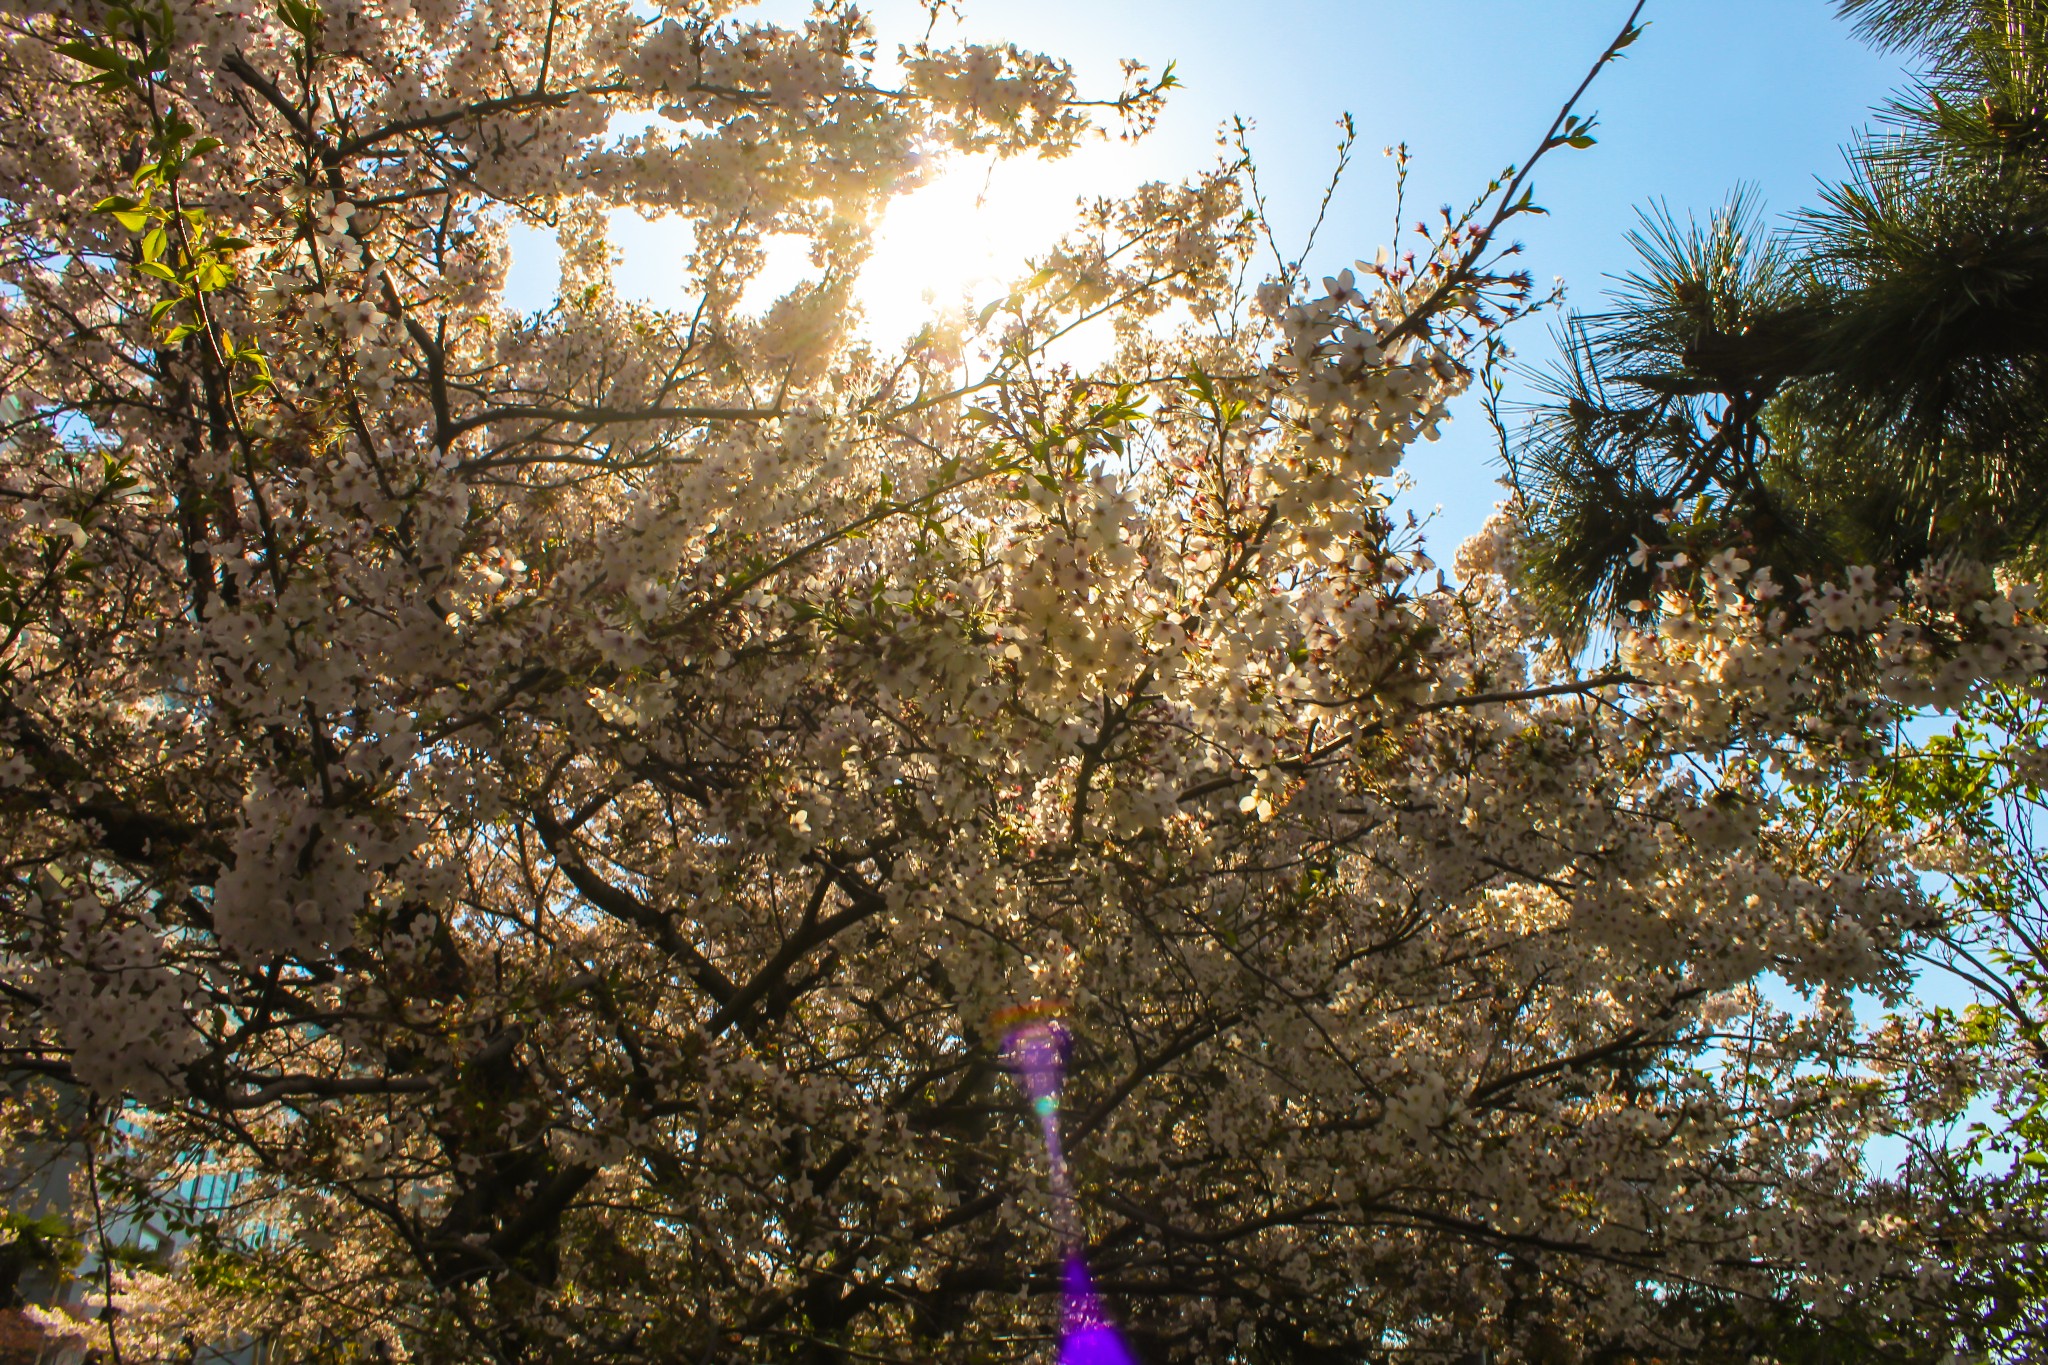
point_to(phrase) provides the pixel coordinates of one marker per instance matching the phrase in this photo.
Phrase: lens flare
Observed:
(1036, 1047)
(1037, 1051)
(1086, 1338)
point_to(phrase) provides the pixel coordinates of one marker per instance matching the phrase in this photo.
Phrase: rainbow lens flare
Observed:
(1036, 1048)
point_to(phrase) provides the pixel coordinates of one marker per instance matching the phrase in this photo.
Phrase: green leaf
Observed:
(302, 19)
(132, 220)
(1581, 141)
(100, 58)
(157, 270)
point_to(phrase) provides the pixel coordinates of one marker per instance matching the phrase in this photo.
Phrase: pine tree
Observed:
(1862, 386)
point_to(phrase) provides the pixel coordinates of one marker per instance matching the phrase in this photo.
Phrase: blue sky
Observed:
(1717, 93)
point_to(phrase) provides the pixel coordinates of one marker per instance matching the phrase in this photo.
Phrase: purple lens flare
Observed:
(1037, 1053)
(1086, 1337)
(1036, 1048)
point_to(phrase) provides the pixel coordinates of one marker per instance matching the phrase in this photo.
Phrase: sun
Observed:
(968, 233)
(959, 240)
(947, 242)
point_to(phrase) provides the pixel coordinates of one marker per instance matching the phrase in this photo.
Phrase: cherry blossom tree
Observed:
(557, 805)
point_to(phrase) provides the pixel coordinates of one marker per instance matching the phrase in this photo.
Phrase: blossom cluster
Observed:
(1827, 666)
(109, 994)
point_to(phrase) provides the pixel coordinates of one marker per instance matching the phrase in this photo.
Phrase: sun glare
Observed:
(960, 239)
(954, 243)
